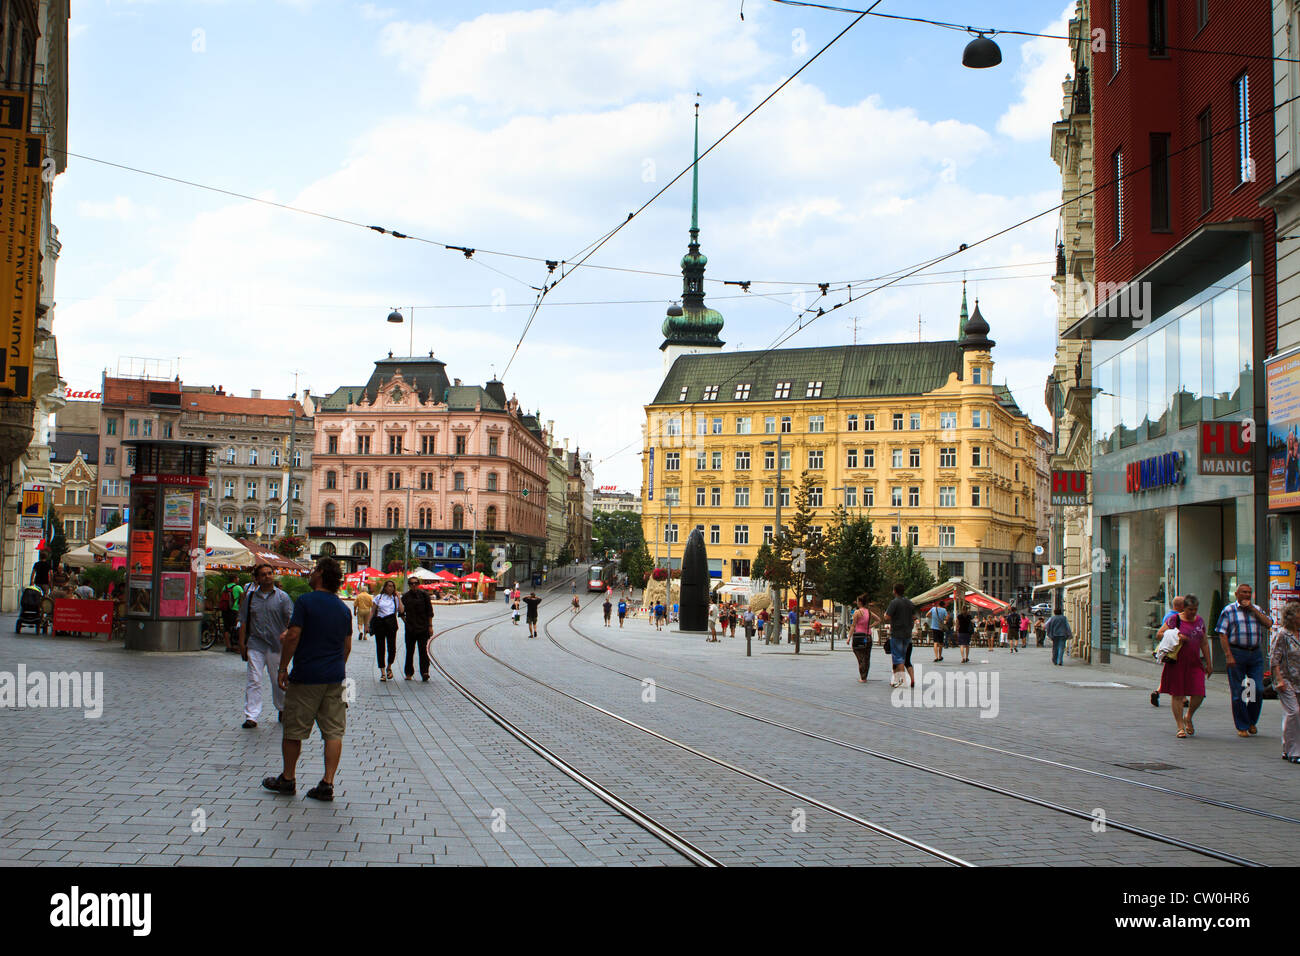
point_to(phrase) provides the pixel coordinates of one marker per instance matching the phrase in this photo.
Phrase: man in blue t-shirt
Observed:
(622, 612)
(318, 642)
(938, 615)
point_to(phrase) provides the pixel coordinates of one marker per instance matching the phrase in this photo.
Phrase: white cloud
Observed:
(120, 208)
(549, 60)
(1044, 65)
(370, 11)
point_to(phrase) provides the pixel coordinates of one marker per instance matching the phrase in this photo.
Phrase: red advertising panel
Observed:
(85, 617)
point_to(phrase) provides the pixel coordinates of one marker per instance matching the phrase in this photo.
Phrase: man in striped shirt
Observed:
(1241, 629)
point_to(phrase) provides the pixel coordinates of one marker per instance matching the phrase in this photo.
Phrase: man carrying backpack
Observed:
(228, 604)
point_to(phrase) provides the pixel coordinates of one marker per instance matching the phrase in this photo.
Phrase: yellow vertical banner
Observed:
(20, 319)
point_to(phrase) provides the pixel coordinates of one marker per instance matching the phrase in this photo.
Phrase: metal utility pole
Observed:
(779, 610)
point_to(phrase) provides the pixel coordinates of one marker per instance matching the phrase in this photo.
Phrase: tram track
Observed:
(1132, 829)
(626, 807)
(1060, 765)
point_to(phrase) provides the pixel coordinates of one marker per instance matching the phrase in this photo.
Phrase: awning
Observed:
(1066, 583)
(278, 562)
(943, 593)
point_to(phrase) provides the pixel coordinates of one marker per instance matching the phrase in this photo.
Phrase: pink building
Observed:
(451, 464)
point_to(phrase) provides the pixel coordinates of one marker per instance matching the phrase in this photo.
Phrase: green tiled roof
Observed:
(1005, 399)
(848, 371)
(337, 400)
(467, 397)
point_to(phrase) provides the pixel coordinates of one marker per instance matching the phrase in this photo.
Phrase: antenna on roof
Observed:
(918, 326)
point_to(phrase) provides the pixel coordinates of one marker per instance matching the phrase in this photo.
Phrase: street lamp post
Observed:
(780, 610)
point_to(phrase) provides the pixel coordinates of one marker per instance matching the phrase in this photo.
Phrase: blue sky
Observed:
(534, 129)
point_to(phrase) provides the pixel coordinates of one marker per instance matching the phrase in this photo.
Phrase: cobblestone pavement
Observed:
(426, 778)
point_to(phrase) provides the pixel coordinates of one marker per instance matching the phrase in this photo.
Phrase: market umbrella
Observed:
(81, 557)
(445, 575)
(423, 574)
(220, 548)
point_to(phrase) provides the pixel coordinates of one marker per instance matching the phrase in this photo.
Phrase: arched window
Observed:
(458, 518)
(394, 517)
(330, 511)
(327, 550)
(359, 550)
(492, 518)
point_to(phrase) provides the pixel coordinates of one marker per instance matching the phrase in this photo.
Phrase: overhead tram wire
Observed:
(470, 252)
(1132, 44)
(965, 247)
(593, 248)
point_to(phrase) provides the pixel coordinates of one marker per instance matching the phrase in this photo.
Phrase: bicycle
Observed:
(211, 632)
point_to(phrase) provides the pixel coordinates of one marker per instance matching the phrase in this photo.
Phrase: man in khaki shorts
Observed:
(318, 642)
(363, 604)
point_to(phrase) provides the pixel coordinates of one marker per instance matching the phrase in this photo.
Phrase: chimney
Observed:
(256, 393)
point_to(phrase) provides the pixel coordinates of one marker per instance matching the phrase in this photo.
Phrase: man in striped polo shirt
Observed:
(1241, 629)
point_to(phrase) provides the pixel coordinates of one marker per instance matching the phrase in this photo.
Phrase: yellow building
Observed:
(913, 435)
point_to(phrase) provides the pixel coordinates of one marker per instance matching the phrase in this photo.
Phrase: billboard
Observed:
(21, 154)
(1225, 448)
(1282, 382)
(1069, 488)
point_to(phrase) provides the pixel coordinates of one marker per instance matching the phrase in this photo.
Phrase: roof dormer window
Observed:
(682, 396)
(782, 390)
(814, 390)
(710, 393)
(742, 391)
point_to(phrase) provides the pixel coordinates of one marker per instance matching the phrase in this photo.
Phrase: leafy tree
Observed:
(100, 576)
(565, 556)
(899, 563)
(799, 534)
(616, 531)
(638, 565)
(396, 551)
(114, 521)
(853, 562)
(483, 557)
(289, 546)
(759, 566)
(294, 585)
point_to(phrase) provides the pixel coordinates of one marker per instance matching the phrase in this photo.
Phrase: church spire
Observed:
(961, 324)
(693, 325)
(693, 262)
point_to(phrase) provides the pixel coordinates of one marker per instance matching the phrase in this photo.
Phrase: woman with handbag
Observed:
(383, 624)
(1284, 661)
(1184, 677)
(861, 640)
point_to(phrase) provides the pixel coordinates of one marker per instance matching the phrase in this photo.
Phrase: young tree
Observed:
(899, 563)
(483, 557)
(114, 521)
(762, 561)
(853, 563)
(799, 534)
(638, 564)
(395, 550)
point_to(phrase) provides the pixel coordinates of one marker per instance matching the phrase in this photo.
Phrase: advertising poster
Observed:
(20, 210)
(1282, 376)
(176, 551)
(139, 597)
(143, 507)
(1281, 587)
(140, 561)
(178, 510)
(175, 598)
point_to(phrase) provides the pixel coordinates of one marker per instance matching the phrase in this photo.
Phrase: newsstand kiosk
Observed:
(165, 546)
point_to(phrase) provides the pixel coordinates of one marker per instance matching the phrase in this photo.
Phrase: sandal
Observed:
(382, 677)
(322, 791)
(280, 785)
(1191, 731)
(1182, 734)
(389, 674)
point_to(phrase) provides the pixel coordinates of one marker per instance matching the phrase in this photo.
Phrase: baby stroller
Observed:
(32, 610)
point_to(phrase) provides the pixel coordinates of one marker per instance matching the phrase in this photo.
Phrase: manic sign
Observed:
(1224, 450)
(1149, 474)
(1069, 488)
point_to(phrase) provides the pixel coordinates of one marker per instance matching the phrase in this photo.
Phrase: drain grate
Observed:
(1148, 766)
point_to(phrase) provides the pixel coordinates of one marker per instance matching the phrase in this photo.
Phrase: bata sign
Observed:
(1226, 448)
(82, 396)
(1163, 471)
(1069, 488)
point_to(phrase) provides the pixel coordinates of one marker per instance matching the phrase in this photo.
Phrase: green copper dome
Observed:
(694, 260)
(692, 326)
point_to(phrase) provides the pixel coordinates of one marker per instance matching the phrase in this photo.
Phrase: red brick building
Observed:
(1185, 308)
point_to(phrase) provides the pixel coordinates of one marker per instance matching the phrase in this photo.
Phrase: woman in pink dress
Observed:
(1184, 678)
